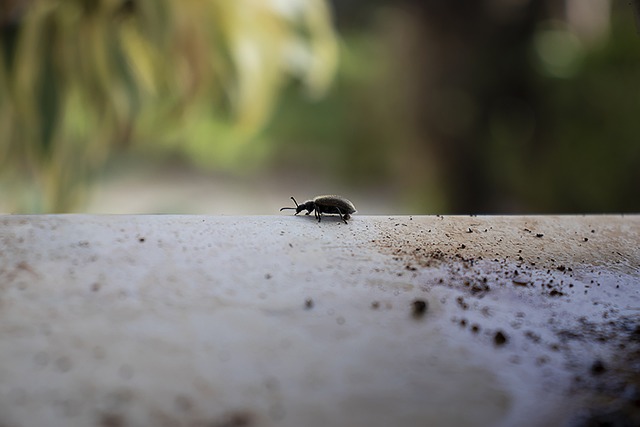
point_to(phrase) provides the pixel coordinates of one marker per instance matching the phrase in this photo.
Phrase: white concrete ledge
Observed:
(281, 320)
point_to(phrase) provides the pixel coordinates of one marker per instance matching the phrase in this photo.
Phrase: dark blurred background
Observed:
(404, 106)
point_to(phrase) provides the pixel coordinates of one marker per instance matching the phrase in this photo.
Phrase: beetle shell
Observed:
(328, 203)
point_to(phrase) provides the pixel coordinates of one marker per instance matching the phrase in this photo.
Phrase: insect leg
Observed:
(340, 213)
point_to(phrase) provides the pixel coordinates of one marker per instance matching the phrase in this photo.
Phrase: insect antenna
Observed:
(294, 201)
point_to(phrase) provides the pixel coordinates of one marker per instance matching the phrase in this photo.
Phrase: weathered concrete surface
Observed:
(280, 320)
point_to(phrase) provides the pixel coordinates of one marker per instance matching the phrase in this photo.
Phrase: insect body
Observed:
(326, 205)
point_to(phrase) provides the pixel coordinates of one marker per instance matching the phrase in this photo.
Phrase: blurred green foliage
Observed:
(573, 145)
(80, 79)
(469, 113)
(449, 107)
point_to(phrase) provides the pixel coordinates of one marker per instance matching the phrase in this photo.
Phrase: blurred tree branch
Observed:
(79, 78)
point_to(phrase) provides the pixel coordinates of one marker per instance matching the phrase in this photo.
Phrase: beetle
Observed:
(330, 204)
